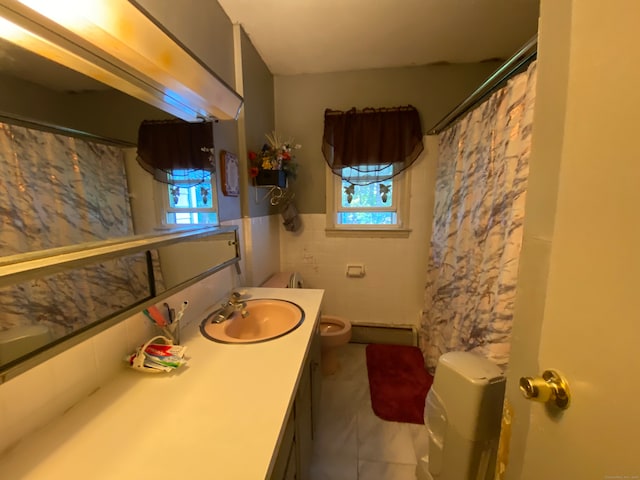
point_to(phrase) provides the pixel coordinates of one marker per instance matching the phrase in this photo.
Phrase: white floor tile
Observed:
(420, 440)
(342, 399)
(380, 440)
(353, 366)
(341, 467)
(353, 443)
(385, 471)
(337, 437)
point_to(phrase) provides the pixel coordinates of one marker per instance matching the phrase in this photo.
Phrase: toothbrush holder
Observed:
(173, 332)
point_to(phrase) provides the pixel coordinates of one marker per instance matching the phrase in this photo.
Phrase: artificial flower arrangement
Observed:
(275, 162)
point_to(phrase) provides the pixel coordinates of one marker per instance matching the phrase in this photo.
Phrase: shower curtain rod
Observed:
(508, 69)
(40, 125)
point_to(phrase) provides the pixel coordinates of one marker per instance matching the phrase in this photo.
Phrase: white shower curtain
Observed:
(477, 229)
(58, 191)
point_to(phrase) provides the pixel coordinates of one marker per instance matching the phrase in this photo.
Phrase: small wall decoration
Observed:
(229, 174)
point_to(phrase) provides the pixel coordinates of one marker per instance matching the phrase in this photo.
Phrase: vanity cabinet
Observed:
(294, 457)
(285, 465)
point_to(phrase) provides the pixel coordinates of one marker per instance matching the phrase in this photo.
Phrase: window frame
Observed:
(401, 198)
(165, 204)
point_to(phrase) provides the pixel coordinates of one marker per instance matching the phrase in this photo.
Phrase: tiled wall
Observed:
(261, 252)
(392, 290)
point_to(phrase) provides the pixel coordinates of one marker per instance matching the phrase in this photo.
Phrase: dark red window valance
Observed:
(365, 139)
(168, 145)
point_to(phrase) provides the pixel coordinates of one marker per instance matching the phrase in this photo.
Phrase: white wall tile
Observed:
(29, 403)
(109, 349)
(74, 375)
(263, 248)
(392, 290)
(138, 328)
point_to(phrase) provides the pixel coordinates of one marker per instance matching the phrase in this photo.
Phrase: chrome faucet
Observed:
(228, 308)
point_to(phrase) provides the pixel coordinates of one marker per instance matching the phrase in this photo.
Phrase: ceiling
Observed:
(317, 36)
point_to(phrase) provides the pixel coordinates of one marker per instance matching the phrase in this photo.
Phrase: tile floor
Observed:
(352, 442)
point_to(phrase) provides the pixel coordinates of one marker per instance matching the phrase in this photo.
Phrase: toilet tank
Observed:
(18, 341)
(462, 413)
(284, 280)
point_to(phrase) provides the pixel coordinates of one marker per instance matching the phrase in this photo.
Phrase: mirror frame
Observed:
(33, 265)
(130, 58)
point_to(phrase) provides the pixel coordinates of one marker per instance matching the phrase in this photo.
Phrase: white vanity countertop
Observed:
(220, 417)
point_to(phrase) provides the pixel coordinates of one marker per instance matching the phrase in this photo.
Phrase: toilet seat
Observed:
(329, 328)
(333, 325)
(334, 331)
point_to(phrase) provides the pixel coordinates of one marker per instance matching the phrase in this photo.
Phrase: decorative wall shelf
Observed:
(268, 178)
(276, 194)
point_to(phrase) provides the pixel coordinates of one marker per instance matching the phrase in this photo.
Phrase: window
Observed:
(377, 207)
(369, 152)
(191, 199)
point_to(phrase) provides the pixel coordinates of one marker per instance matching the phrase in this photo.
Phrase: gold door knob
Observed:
(551, 387)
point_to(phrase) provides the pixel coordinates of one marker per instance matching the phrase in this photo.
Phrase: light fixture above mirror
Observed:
(114, 42)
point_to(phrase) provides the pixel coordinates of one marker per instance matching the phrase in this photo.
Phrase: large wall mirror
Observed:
(71, 261)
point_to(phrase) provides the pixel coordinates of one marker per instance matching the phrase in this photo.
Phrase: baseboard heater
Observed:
(387, 334)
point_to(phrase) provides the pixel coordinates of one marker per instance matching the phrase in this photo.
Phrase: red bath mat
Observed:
(398, 381)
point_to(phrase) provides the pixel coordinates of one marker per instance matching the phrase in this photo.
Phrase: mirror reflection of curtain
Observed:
(480, 194)
(57, 191)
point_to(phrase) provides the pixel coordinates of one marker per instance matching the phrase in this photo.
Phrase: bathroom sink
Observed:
(267, 319)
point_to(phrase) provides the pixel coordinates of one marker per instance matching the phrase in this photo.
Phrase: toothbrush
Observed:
(171, 312)
(184, 306)
(156, 316)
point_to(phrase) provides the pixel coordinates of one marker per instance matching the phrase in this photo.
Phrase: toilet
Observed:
(334, 331)
(284, 280)
(18, 341)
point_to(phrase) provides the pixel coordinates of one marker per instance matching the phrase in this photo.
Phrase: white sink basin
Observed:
(267, 319)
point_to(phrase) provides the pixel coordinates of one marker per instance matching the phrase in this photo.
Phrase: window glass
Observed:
(191, 198)
(367, 218)
(369, 202)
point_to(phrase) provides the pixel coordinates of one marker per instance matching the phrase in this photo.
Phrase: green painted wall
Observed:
(259, 115)
(301, 100)
(108, 113)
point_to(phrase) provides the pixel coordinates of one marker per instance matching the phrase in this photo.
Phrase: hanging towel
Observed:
(292, 222)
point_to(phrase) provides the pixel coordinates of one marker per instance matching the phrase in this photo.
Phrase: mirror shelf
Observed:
(27, 266)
